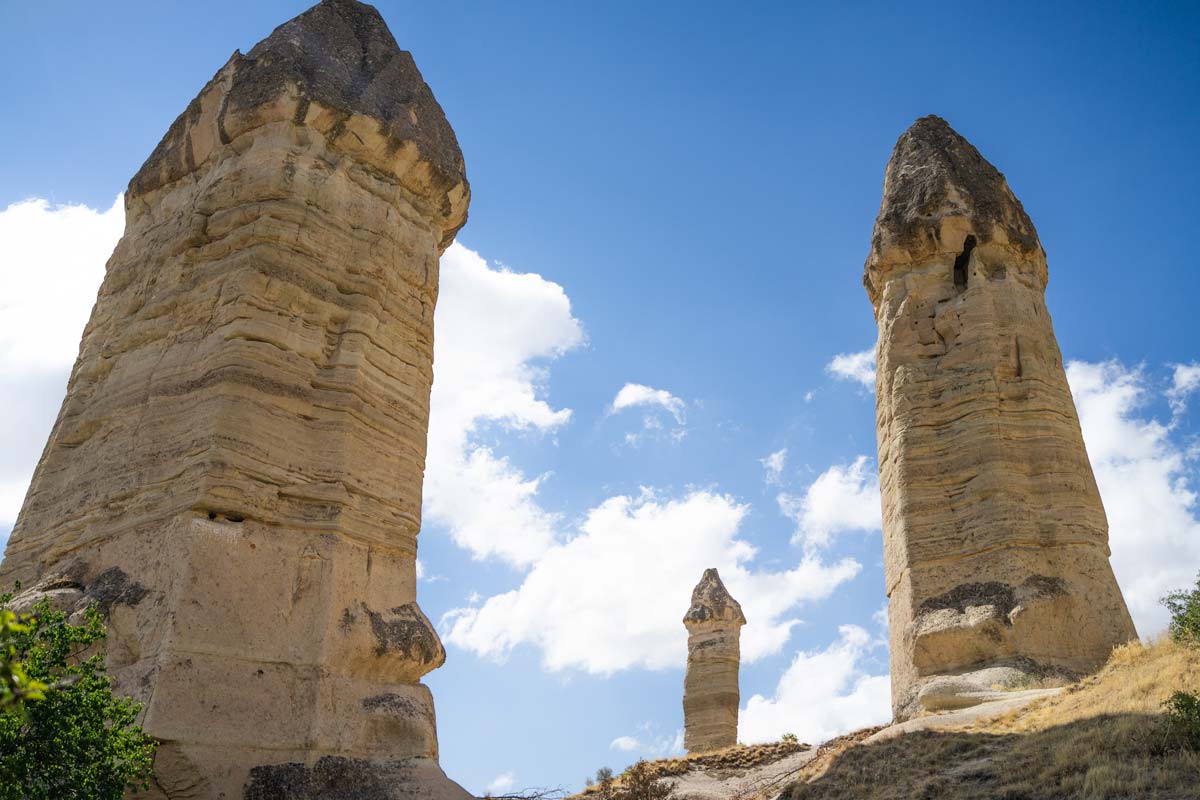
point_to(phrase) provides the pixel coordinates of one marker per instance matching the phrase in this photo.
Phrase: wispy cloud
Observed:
(773, 466)
(501, 784)
(650, 400)
(857, 367)
(1185, 380)
(633, 395)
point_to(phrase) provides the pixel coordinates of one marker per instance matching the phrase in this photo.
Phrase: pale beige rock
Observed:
(995, 538)
(235, 474)
(710, 687)
(996, 704)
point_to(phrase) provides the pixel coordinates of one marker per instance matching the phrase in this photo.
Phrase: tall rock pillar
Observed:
(235, 474)
(995, 539)
(710, 688)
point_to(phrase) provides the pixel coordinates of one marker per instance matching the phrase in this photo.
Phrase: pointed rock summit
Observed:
(937, 180)
(710, 688)
(337, 69)
(995, 538)
(235, 474)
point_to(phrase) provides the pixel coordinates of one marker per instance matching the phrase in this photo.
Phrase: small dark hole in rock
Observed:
(236, 518)
(960, 264)
(212, 515)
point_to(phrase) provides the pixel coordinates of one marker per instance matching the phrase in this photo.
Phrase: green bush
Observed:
(637, 783)
(1185, 614)
(16, 687)
(78, 741)
(1182, 720)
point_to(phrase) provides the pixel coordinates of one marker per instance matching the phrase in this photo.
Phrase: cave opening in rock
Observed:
(960, 263)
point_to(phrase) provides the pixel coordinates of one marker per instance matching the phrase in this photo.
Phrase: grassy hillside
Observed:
(1102, 738)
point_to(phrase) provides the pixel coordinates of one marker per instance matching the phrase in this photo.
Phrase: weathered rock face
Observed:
(236, 471)
(995, 539)
(710, 688)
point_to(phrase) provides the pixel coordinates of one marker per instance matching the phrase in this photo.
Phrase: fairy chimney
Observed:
(235, 474)
(995, 539)
(710, 687)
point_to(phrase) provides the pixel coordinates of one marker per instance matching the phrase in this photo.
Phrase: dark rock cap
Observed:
(339, 54)
(934, 173)
(711, 602)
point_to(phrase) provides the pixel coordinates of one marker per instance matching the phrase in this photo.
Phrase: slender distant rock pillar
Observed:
(995, 538)
(710, 688)
(235, 474)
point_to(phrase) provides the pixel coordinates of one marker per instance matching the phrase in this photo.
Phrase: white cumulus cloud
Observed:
(51, 265)
(494, 331)
(822, 694)
(1147, 484)
(858, 367)
(843, 498)
(611, 597)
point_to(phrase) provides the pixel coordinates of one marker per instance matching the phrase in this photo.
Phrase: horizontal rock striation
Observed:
(236, 469)
(710, 687)
(995, 538)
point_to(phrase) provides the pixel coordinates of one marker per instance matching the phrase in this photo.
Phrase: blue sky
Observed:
(677, 197)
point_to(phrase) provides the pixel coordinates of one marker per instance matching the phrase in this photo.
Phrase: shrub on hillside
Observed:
(637, 783)
(1181, 723)
(1185, 614)
(1183, 720)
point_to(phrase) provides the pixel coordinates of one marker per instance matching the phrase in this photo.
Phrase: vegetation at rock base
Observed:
(1185, 614)
(1101, 737)
(16, 687)
(71, 738)
(1181, 720)
(639, 782)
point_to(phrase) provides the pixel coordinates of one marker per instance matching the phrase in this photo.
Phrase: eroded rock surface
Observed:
(235, 474)
(995, 538)
(710, 688)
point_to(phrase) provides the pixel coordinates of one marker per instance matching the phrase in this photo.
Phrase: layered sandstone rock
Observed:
(235, 474)
(995, 539)
(710, 688)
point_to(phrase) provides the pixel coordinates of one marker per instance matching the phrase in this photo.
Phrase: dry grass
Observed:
(1101, 738)
(737, 758)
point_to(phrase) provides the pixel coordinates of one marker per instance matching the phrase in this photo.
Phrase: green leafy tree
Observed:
(77, 740)
(1181, 720)
(16, 687)
(1185, 614)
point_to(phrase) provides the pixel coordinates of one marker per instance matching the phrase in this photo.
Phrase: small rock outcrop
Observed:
(710, 688)
(995, 538)
(235, 474)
